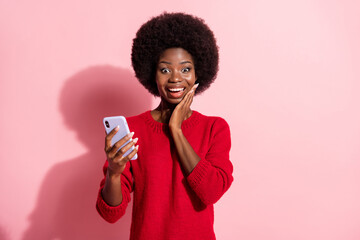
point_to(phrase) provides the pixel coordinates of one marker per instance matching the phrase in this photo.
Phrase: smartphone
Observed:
(110, 123)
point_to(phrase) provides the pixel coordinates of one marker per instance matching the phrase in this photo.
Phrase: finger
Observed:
(182, 105)
(133, 152)
(119, 158)
(115, 148)
(188, 99)
(194, 87)
(186, 102)
(109, 137)
(121, 161)
(191, 99)
(125, 148)
(191, 92)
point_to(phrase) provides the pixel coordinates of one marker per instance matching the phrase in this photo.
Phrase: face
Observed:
(175, 74)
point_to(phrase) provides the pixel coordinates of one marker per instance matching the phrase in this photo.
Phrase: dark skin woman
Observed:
(183, 166)
(175, 71)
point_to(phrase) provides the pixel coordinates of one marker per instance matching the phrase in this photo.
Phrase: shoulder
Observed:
(213, 121)
(215, 126)
(218, 131)
(137, 120)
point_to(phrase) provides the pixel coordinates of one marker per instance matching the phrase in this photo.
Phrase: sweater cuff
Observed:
(111, 211)
(197, 175)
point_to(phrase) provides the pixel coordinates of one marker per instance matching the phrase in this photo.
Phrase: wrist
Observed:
(175, 130)
(112, 174)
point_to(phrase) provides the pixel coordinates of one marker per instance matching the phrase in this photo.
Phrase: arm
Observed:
(121, 185)
(187, 156)
(117, 184)
(111, 191)
(211, 176)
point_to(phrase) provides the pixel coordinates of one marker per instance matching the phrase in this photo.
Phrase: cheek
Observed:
(191, 78)
(159, 82)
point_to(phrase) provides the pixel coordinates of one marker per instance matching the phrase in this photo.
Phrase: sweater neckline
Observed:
(159, 127)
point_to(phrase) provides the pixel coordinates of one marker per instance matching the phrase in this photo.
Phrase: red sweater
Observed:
(168, 204)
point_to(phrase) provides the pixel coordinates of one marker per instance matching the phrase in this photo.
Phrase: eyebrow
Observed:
(183, 62)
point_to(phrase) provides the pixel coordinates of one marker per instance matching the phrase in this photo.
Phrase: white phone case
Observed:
(110, 123)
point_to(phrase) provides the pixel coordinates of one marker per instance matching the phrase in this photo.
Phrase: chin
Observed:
(172, 101)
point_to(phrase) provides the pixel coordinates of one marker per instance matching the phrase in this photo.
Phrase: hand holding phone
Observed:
(119, 145)
(111, 123)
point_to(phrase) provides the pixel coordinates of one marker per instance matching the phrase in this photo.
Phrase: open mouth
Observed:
(176, 92)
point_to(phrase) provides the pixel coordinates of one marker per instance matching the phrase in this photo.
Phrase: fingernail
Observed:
(137, 147)
(117, 127)
(135, 140)
(196, 85)
(130, 134)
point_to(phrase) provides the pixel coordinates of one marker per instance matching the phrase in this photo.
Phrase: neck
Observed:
(164, 111)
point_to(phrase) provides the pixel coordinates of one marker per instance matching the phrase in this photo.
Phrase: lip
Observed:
(177, 93)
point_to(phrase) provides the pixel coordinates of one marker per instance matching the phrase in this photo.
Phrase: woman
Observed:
(183, 164)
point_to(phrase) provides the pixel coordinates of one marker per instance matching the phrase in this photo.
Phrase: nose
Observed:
(175, 77)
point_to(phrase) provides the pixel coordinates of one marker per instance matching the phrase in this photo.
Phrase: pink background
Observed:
(288, 86)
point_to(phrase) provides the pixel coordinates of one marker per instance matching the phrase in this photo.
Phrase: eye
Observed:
(185, 70)
(164, 70)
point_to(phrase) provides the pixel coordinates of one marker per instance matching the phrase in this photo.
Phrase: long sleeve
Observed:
(168, 203)
(212, 176)
(113, 213)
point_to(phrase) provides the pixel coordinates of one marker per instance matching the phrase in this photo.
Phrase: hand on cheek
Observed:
(182, 110)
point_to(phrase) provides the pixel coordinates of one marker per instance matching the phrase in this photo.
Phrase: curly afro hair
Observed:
(175, 30)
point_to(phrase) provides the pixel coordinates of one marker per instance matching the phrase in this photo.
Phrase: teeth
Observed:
(176, 89)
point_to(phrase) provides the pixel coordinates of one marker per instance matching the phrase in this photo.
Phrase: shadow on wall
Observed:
(66, 202)
(3, 234)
